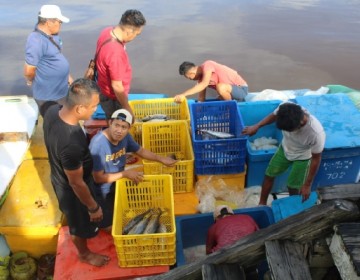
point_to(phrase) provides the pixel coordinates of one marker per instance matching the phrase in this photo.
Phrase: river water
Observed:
(274, 44)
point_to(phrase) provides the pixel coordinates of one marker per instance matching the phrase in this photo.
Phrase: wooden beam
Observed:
(286, 260)
(228, 271)
(314, 222)
(348, 191)
(345, 262)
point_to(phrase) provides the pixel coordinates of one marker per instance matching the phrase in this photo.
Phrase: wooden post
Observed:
(314, 222)
(286, 260)
(344, 247)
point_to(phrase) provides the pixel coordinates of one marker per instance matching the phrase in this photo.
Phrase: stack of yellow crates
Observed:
(161, 106)
(170, 138)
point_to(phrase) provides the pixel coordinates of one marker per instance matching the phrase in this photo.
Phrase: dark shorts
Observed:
(299, 169)
(109, 105)
(76, 213)
(239, 92)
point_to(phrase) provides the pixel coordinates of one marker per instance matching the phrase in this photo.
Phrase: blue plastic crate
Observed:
(258, 160)
(218, 156)
(339, 116)
(191, 230)
(99, 114)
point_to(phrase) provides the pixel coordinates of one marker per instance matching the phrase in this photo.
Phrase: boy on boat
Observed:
(228, 228)
(301, 149)
(108, 149)
(226, 81)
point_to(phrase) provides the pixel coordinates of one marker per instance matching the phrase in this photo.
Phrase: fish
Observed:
(161, 228)
(216, 134)
(158, 117)
(141, 226)
(154, 222)
(134, 221)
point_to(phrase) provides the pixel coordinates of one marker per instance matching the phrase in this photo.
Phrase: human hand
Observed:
(179, 98)
(250, 130)
(168, 161)
(305, 192)
(96, 216)
(133, 175)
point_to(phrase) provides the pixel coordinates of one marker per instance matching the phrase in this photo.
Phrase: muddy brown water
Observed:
(275, 44)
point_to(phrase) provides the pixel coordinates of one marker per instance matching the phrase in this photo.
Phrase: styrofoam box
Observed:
(258, 160)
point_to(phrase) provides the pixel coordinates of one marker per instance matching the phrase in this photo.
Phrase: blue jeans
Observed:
(239, 92)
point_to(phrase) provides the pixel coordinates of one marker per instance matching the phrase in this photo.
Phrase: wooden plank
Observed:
(13, 136)
(347, 191)
(314, 222)
(286, 260)
(342, 258)
(350, 236)
(227, 271)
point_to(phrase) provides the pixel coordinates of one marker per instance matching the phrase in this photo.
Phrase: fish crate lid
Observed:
(339, 117)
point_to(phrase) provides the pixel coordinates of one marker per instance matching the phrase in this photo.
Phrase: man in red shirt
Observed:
(226, 81)
(228, 228)
(113, 67)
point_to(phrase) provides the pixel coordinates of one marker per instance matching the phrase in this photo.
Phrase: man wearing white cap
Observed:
(46, 69)
(108, 149)
(228, 228)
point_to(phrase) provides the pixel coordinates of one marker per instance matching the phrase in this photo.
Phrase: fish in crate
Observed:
(146, 223)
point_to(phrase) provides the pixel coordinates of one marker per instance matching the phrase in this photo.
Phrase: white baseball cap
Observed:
(218, 211)
(52, 11)
(123, 115)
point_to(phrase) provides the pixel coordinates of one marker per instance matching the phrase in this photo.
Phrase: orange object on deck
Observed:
(185, 203)
(67, 265)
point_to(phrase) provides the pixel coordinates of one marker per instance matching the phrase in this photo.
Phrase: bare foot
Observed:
(94, 259)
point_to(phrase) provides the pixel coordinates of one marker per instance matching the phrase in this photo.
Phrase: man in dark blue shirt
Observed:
(108, 149)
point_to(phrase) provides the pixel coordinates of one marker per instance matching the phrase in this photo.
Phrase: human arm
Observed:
(121, 96)
(314, 166)
(29, 73)
(101, 176)
(146, 154)
(70, 79)
(251, 130)
(81, 190)
(198, 88)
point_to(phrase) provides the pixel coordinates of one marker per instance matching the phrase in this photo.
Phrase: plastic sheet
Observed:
(211, 190)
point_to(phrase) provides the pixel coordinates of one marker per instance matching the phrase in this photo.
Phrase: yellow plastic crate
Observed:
(166, 106)
(234, 182)
(30, 218)
(130, 200)
(170, 138)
